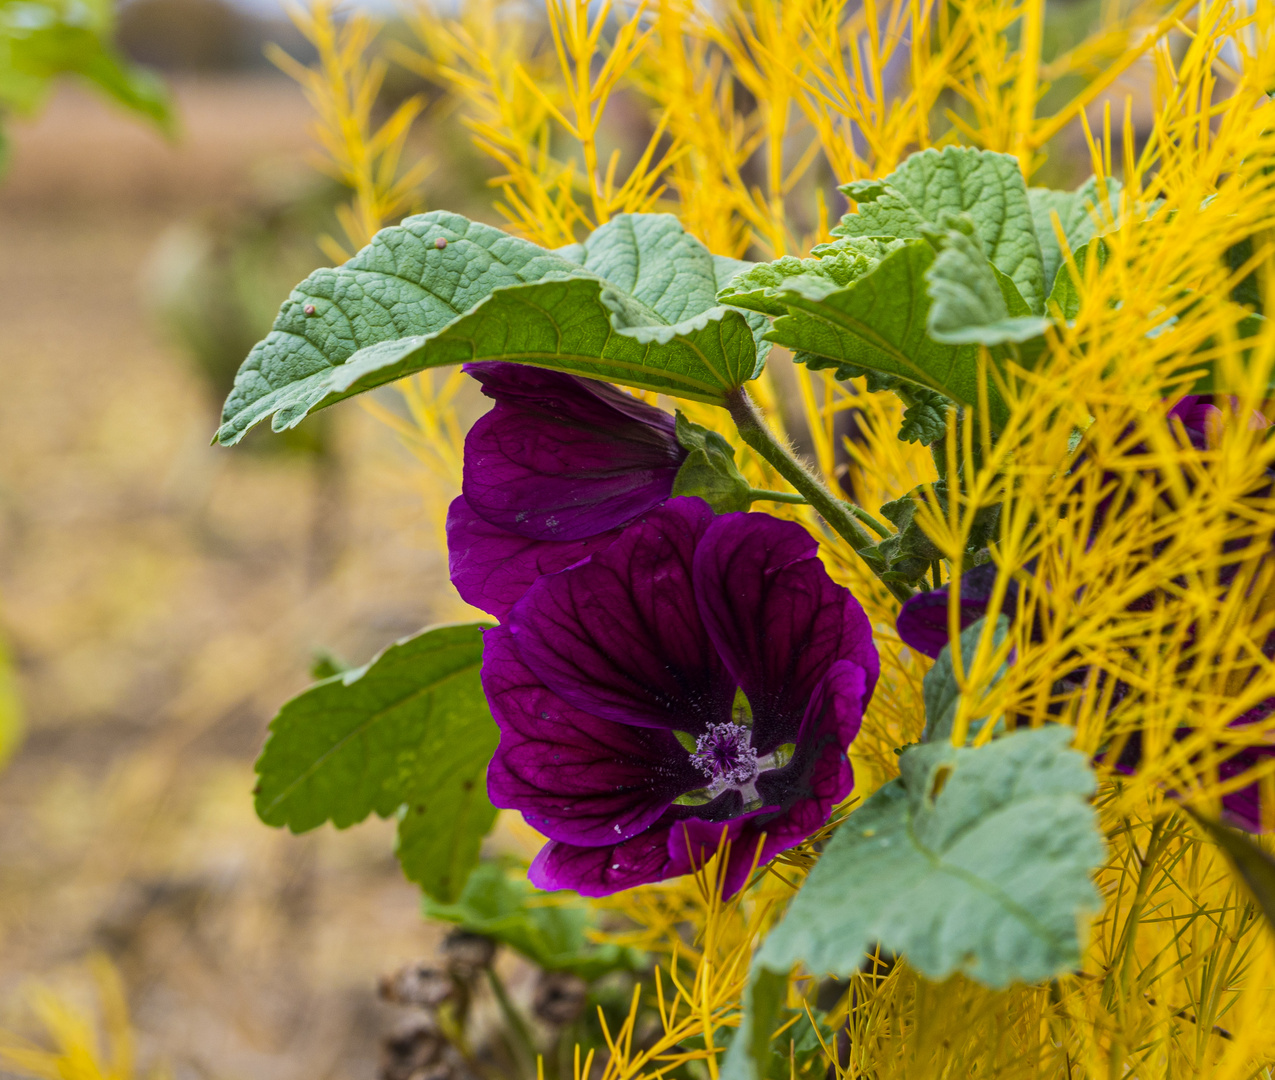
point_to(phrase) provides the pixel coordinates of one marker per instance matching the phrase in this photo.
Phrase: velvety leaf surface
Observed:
(974, 860)
(971, 302)
(986, 185)
(1075, 210)
(550, 930)
(410, 731)
(403, 304)
(880, 322)
(760, 288)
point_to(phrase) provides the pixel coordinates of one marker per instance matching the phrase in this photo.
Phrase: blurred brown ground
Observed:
(161, 600)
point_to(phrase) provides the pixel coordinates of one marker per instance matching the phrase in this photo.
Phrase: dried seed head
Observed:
(440, 243)
(560, 997)
(308, 309)
(466, 954)
(417, 984)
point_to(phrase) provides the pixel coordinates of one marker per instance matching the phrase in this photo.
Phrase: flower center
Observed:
(723, 754)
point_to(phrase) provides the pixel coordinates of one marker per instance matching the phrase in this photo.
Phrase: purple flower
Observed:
(701, 674)
(552, 473)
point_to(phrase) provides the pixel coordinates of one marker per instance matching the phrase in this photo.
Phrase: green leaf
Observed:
(709, 471)
(1064, 297)
(42, 40)
(750, 1049)
(549, 929)
(971, 301)
(925, 420)
(1253, 863)
(760, 288)
(986, 185)
(408, 734)
(403, 305)
(879, 322)
(1076, 212)
(940, 689)
(974, 860)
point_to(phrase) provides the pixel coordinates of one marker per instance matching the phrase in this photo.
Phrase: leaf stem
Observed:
(839, 515)
(523, 1047)
(761, 495)
(883, 531)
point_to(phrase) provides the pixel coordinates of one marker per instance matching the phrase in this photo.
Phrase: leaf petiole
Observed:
(762, 495)
(839, 515)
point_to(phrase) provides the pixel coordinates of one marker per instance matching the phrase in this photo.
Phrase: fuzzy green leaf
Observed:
(974, 860)
(986, 185)
(403, 305)
(549, 929)
(760, 288)
(407, 734)
(1076, 212)
(971, 302)
(709, 471)
(879, 322)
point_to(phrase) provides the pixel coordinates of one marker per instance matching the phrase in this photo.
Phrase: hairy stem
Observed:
(761, 495)
(839, 515)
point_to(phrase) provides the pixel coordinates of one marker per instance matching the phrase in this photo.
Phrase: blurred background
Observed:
(159, 597)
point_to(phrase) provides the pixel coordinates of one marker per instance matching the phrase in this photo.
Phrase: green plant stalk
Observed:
(761, 495)
(838, 514)
(523, 1046)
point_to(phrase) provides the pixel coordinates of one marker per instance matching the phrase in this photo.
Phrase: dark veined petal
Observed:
(777, 619)
(620, 636)
(492, 568)
(575, 777)
(562, 458)
(801, 796)
(601, 871)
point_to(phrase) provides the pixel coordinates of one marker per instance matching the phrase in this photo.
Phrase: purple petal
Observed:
(922, 621)
(574, 777)
(601, 871)
(777, 619)
(492, 568)
(561, 458)
(620, 636)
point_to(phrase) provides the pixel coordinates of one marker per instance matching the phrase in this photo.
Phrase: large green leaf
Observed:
(986, 185)
(403, 304)
(974, 860)
(549, 929)
(1078, 213)
(408, 734)
(879, 322)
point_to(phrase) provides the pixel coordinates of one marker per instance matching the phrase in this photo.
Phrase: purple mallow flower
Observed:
(552, 474)
(701, 674)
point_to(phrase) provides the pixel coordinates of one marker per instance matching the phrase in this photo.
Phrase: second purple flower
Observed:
(552, 474)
